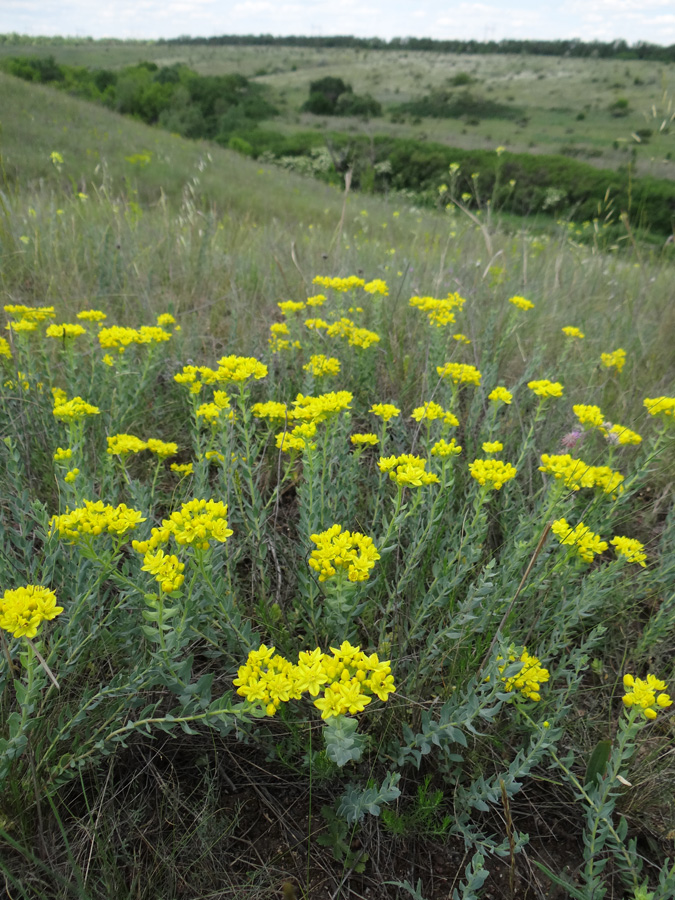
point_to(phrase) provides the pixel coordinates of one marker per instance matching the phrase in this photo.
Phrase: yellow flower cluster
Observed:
(318, 409)
(348, 677)
(589, 415)
(182, 468)
(62, 454)
(197, 522)
(546, 388)
(272, 410)
(660, 406)
(364, 439)
(239, 369)
(646, 695)
(74, 410)
(167, 569)
(376, 286)
(280, 338)
(298, 439)
(71, 476)
(615, 360)
(5, 349)
(124, 444)
(385, 411)
(631, 549)
(492, 446)
(339, 284)
(94, 519)
(460, 373)
(210, 412)
(444, 449)
(461, 338)
(500, 395)
(521, 303)
(407, 470)
(290, 306)
(439, 311)
(586, 543)
(64, 331)
(432, 411)
(577, 474)
(162, 449)
(573, 332)
(165, 319)
(530, 678)
(316, 300)
(22, 326)
(343, 550)
(30, 313)
(320, 365)
(492, 472)
(356, 337)
(621, 435)
(23, 609)
(121, 336)
(91, 315)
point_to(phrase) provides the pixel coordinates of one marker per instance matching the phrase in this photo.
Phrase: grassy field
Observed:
(150, 744)
(566, 103)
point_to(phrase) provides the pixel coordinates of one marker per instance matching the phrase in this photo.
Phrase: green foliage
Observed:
(446, 105)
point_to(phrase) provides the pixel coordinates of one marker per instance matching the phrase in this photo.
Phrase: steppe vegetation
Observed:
(427, 459)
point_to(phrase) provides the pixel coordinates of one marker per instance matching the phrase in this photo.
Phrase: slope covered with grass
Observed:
(239, 412)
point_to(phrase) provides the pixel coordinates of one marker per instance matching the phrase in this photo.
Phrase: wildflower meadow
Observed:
(364, 588)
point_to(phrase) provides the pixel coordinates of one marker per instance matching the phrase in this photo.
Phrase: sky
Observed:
(604, 20)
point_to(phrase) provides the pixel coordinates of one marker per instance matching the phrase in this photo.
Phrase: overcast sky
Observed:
(632, 20)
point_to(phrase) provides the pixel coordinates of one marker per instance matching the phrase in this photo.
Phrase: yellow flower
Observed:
(5, 348)
(289, 306)
(586, 544)
(623, 436)
(460, 373)
(162, 449)
(182, 468)
(61, 454)
(165, 319)
(93, 519)
(546, 388)
(92, 315)
(377, 286)
(70, 476)
(589, 415)
(385, 411)
(430, 411)
(492, 473)
(123, 444)
(530, 677)
(631, 549)
(444, 449)
(573, 332)
(23, 609)
(364, 439)
(500, 395)
(521, 303)
(74, 409)
(660, 406)
(646, 695)
(492, 446)
(64, 331)
(320, 365)
(407, 470)
(338, 549)
(168, 570)
(615, 360)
